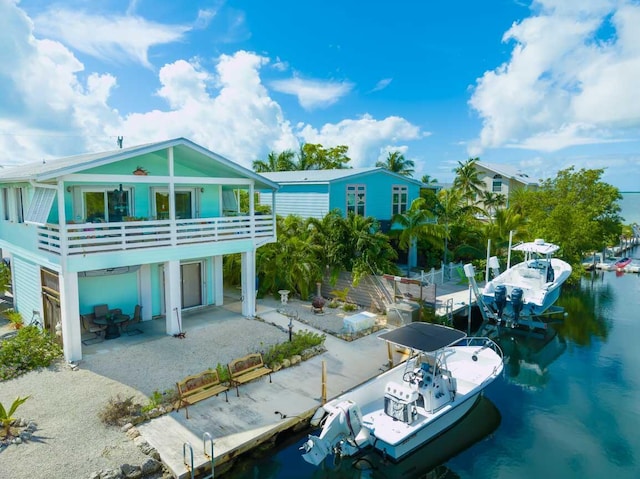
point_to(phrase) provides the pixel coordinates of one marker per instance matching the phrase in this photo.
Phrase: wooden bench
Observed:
(199, 386)
(246, 369)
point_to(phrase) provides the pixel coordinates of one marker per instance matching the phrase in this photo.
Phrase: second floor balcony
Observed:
(89, 238)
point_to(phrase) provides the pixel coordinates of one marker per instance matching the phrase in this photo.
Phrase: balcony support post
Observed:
(248, 268)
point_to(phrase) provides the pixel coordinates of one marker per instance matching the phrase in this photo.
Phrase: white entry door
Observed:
(191, 274)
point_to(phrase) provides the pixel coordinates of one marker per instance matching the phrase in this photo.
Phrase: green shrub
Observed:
(349, 307)
(30, 349)
(223, 373)
(299, 342)
(117, 409)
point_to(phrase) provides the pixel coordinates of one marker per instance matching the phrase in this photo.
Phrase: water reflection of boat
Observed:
(426, 462)
(527, 357)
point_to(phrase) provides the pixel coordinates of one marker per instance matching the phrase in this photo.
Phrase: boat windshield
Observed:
(423, 336)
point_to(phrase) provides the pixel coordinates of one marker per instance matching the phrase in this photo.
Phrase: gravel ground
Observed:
(71, 442)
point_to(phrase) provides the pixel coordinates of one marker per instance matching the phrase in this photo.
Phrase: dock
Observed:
(263, 411)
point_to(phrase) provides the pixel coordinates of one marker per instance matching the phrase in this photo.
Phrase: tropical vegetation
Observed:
(6, 416)
(397, 163)
(30, 349)
(574, 209)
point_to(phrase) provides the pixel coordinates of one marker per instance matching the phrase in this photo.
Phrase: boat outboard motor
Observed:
(500, 298)
(517, 302)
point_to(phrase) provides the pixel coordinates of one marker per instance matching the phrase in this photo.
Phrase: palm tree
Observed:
(275, 162)
(397, 163)
(492, 201)
(450, 210)
(416, 223)
(467, 179)
(426, 179)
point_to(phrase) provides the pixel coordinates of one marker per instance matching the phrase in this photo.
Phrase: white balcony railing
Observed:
(134, 235)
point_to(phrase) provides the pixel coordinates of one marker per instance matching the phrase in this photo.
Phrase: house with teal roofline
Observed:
(147, 225)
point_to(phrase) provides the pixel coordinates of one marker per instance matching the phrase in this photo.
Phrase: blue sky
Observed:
(539, 85)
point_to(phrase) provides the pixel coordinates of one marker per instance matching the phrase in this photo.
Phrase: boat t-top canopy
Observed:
(538, 246)
(425, 337)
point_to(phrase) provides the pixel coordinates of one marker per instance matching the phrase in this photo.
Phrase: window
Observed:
(106, 205)
(497, 184)
(355, 199)
(399, 200)
(19, 206)
(183, 200)
(5, 204)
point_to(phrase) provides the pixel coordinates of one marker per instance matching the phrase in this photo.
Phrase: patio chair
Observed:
(135, 318)
(101, 311)
(96, 329)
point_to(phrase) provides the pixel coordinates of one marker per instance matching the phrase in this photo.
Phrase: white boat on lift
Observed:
(404, 408)
(527, 290)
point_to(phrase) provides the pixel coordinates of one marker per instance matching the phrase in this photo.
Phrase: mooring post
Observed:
(324, 382)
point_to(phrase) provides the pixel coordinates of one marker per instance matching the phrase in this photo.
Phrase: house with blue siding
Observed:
(147, 225)
(374, 191)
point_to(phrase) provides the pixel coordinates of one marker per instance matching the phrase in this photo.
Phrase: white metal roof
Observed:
(327, 176)
(52, 169)
(508, 171)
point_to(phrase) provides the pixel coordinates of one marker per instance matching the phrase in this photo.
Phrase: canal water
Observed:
(567, 406)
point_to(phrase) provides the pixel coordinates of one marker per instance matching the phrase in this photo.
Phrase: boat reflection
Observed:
(528, 356)
(426, 462)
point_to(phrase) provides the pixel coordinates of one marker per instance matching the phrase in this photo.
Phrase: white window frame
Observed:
(496, 185)
(195, 211)
(105, 190)
(355, 189)
(400, 206)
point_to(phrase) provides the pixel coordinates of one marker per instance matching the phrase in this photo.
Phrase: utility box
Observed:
(399, 314)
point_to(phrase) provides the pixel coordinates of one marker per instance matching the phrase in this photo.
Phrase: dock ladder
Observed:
(186, 448)
(449, 310)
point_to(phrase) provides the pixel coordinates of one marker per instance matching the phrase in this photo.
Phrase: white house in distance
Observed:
(147, 225)
(502, 179)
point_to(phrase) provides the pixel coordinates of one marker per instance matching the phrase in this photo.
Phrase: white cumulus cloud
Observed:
(313, 93)
(564, 84)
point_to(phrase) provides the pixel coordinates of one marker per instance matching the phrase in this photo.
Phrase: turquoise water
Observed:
(630, 205)
(567, 406)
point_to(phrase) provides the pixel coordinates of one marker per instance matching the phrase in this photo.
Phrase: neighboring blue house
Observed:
(147, 225)
(372, 191)
(375, 192)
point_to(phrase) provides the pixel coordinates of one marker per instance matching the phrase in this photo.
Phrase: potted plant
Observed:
(15, 318)
(318, 304)
(140, 171)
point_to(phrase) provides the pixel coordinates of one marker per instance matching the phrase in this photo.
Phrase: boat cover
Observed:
(423, 336)
(537, 246)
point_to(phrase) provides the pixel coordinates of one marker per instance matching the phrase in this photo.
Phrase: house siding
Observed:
(26, 287)
(379, 193)
(307, 201)
(117, 290)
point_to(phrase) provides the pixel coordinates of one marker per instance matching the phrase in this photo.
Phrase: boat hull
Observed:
(410, 405)
(429, 432)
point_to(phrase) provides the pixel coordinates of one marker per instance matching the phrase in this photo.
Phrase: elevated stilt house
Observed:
(147, 225)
